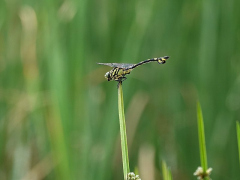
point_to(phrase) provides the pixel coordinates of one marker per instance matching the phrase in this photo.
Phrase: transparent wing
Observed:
(118, 65)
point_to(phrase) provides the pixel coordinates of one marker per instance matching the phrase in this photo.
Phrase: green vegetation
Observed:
(203, 171)
(238, 139)
(59, 116)
(123, 131)
(166, 171)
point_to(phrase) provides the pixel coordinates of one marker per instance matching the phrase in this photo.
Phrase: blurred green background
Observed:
(58, 115)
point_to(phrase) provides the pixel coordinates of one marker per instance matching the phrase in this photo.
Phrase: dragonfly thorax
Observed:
(117, 74)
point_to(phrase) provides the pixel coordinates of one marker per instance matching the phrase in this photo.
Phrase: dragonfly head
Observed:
(107, 76)
(162, 60)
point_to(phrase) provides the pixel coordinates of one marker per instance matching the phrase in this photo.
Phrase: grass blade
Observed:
(201, 135)
(238, 139)
(202, 172)
(123, 133)
(166, 171)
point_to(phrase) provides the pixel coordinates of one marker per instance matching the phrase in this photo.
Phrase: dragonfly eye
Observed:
(107, 75)
(161, 61)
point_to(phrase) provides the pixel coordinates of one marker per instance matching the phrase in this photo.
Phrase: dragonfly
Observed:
(120, 70)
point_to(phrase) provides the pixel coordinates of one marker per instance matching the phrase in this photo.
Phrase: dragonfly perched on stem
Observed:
(120, 70)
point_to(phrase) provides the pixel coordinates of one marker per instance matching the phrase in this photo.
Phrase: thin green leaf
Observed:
(166, 171)
(169, 174)
(201, 135)
(238, 139)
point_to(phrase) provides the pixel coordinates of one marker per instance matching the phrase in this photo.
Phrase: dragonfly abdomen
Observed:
(160, 60)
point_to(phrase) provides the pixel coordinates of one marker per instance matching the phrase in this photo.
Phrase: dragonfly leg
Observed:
(123, 78)
(119, 82)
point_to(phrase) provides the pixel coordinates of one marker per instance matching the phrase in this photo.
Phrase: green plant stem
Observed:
(201, 135)
(123, 132)
(238, 139)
